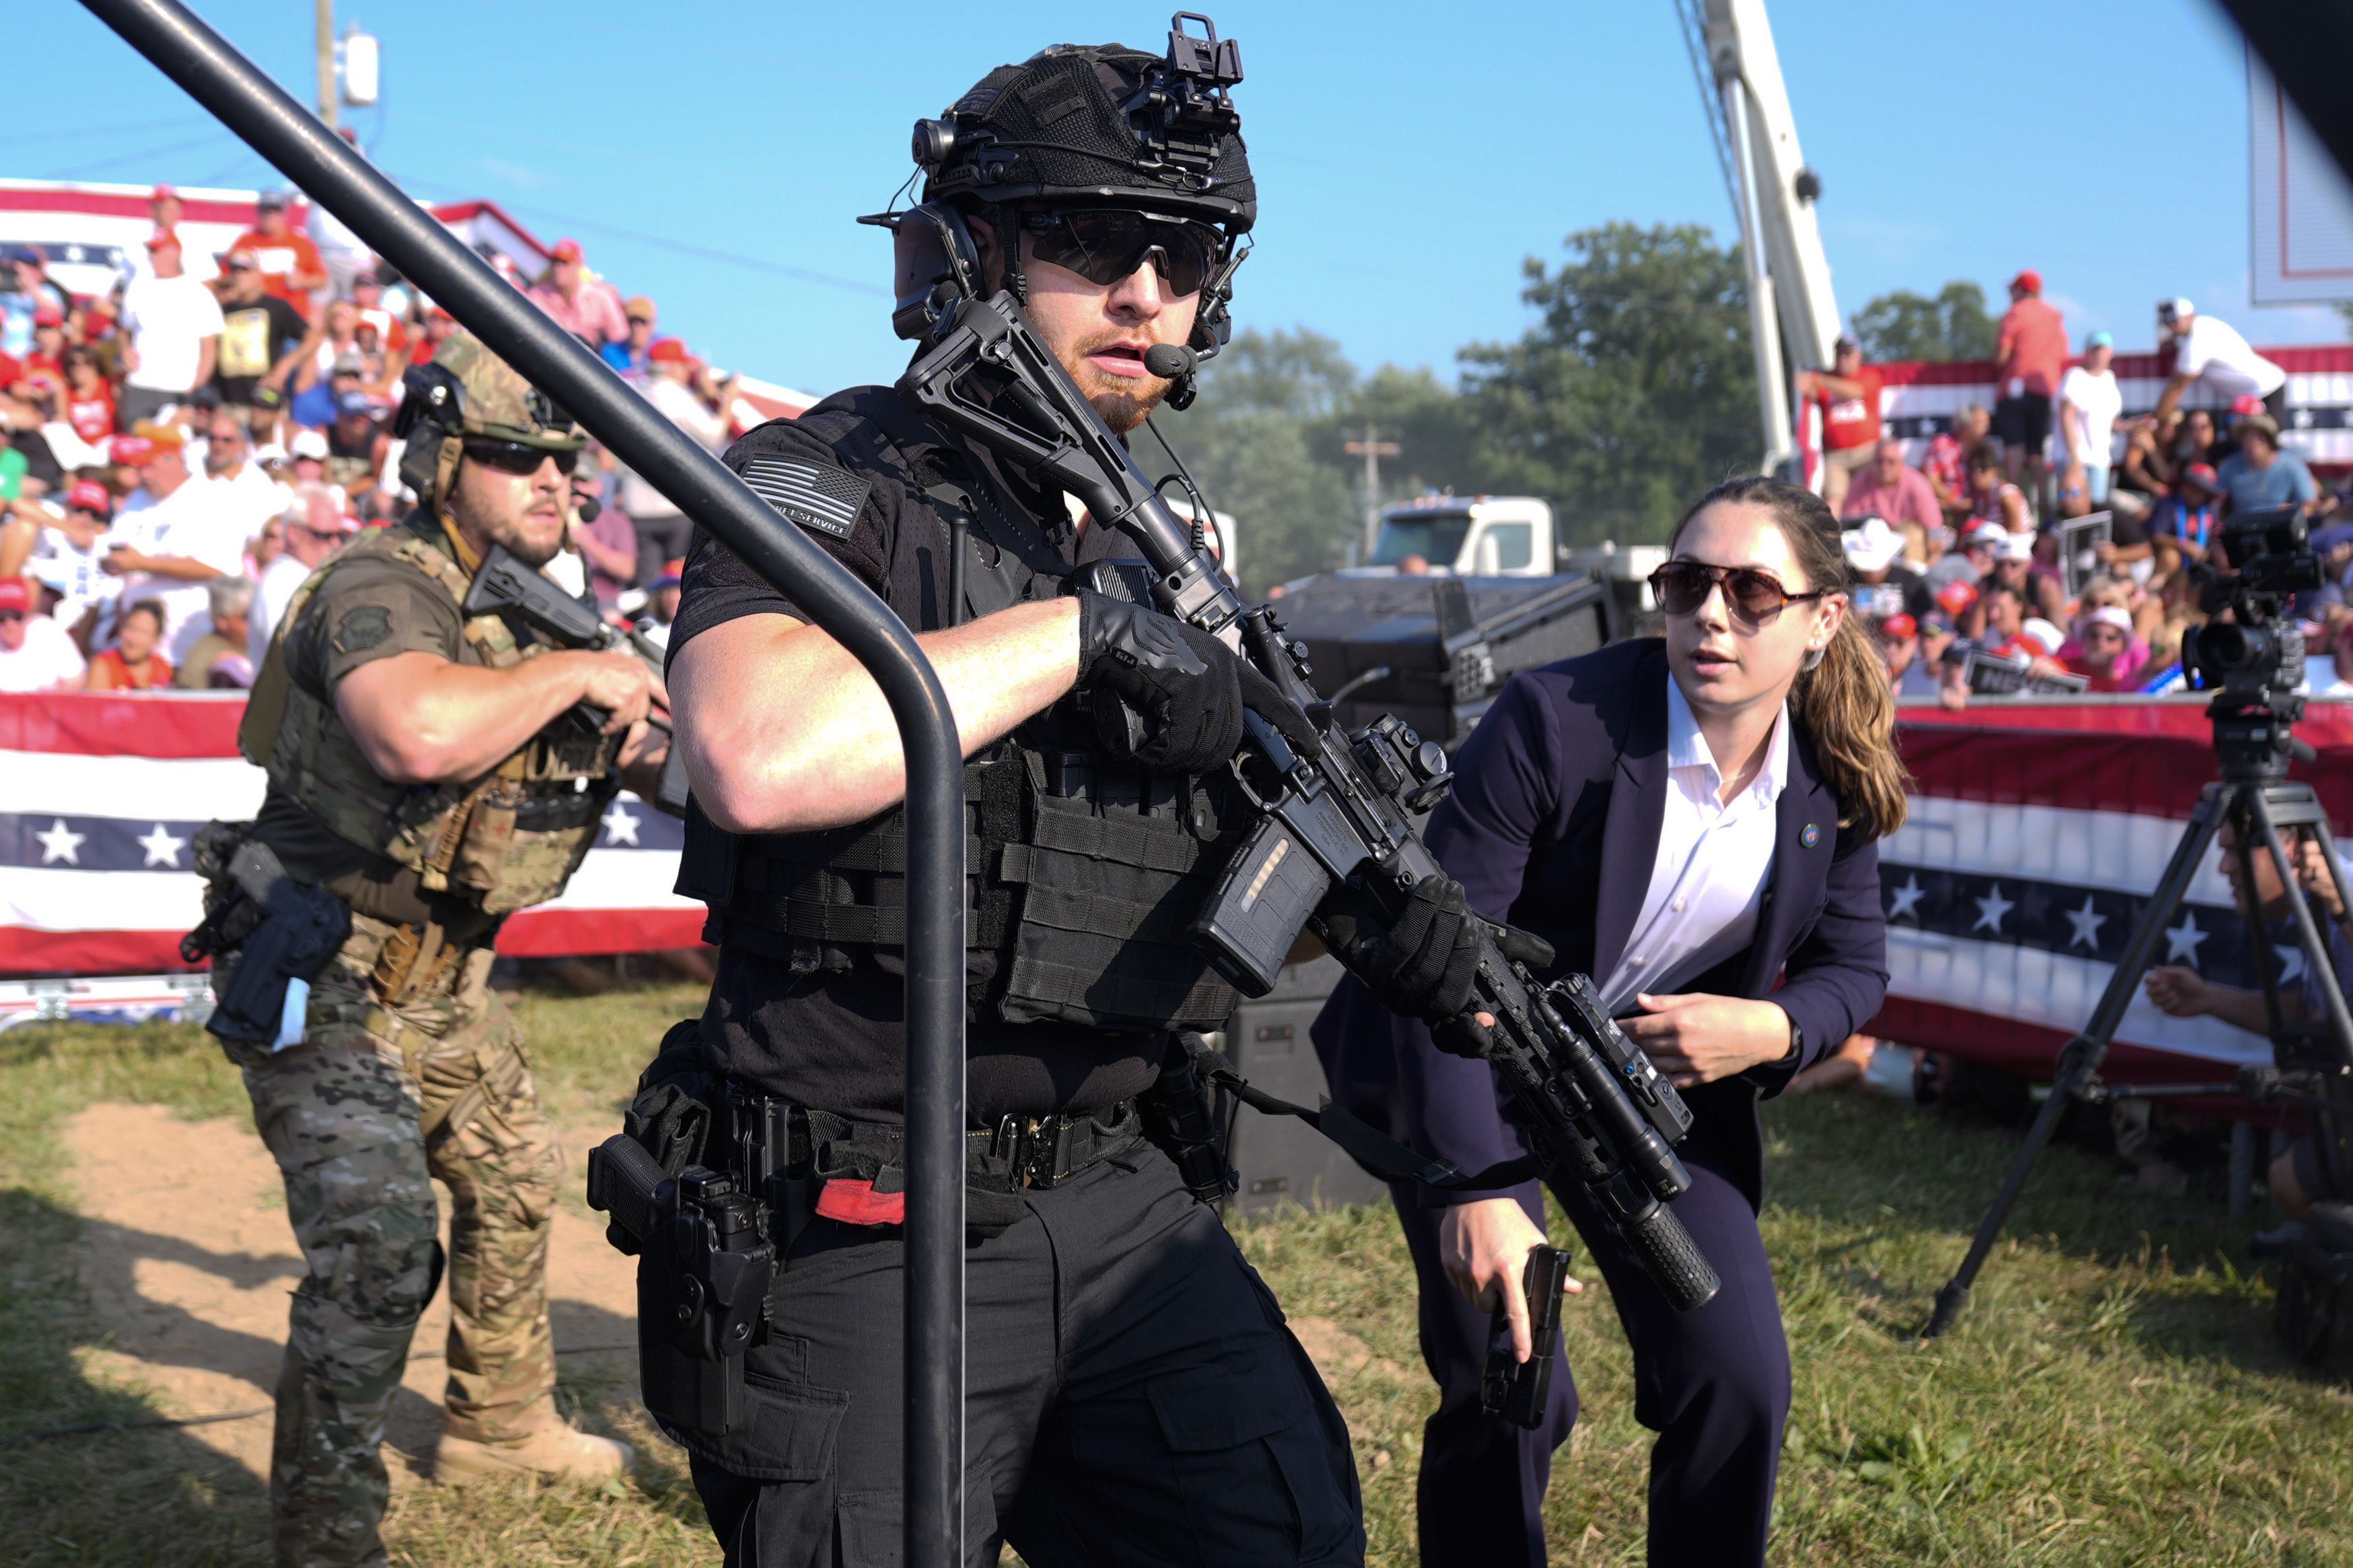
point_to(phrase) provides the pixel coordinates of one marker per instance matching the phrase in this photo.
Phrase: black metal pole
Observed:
(236, 92)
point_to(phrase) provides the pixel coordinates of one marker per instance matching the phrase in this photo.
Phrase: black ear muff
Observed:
(936, 266)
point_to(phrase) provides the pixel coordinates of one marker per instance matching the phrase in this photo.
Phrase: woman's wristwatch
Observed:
(1797, 1044)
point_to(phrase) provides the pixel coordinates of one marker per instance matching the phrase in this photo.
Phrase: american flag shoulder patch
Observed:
(811, 494)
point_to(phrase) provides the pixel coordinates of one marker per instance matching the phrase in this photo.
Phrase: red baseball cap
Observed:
(2246, 402)
(669, 351)
(1900, 627)
(565, 250)
(88, 495)
(1956, 598)
(162, 193)
(2202, 476)
(134, 450)
(162, 237)
(2029, 280)
(15, 594)
(48, 316)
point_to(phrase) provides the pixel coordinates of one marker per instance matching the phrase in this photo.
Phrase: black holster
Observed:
(276, 929)
(704, 1268)
(1181, 1121)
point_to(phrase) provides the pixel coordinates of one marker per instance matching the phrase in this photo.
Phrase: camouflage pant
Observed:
(359, 1116)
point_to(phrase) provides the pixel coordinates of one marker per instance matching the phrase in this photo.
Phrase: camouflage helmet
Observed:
(466, 390)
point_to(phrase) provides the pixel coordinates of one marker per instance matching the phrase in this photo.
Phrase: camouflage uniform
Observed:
(345, 1114)
(410, 1068)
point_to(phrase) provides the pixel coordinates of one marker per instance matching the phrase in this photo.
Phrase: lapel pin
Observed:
(1810, 836)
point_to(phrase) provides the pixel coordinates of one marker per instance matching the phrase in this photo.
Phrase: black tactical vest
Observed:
(1081, 874)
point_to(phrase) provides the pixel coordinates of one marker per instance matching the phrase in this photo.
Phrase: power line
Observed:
(705, 252)
(91, 131)
(91, 168)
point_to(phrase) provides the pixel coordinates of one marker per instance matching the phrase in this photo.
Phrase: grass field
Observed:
(2113, 1396)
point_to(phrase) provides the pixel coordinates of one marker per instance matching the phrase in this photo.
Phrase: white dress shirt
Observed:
(1711, 864)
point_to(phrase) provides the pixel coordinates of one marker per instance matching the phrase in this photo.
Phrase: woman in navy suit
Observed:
(1693, 822)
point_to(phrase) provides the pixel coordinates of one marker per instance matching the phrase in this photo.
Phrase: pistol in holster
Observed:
(706, 1265)
(276, 929)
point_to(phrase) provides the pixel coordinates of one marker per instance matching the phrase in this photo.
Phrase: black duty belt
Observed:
(765, 1137)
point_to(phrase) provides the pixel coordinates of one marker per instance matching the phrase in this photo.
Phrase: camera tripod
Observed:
(2264, 810)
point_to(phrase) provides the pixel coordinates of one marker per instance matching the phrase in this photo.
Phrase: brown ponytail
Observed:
(1844, 701)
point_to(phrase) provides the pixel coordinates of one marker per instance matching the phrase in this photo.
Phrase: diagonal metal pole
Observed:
(2082, 1057)
(236, 92)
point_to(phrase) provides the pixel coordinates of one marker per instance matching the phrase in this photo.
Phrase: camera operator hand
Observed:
(1185, 683)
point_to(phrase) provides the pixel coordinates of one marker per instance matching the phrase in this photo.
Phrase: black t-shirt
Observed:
(838, 1042)
(254, 338)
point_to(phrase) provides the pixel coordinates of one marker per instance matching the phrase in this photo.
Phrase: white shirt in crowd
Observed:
(2217, 355)
(270, 597)
(48, 660)
(685, 410)
(1711, 864)
(168, 320)
(2098, 403)
(204, 520)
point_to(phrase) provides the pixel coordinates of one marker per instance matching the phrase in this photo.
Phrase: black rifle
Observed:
(507, 587)
(1337, 808)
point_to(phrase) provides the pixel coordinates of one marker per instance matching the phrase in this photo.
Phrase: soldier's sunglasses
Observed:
(1753, 596)
(1104, 244)
(514, 457)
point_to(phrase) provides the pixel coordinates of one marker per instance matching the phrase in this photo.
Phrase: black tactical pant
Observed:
(1132, 1398)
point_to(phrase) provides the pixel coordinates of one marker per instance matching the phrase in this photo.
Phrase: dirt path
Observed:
(188, 1261)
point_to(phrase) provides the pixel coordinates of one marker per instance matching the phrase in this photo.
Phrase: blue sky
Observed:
(1409, 157)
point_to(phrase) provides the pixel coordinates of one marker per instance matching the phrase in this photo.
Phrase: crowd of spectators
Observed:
(182, 450)
(1958, 565)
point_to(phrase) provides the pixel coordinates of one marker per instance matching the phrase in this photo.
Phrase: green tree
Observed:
(1907, 326)
(1633, 394)
(1247, 442)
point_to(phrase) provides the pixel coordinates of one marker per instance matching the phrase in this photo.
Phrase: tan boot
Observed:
(555, 1452)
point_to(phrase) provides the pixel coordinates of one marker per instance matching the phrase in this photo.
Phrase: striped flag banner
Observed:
(100, 797)
(2037, 833)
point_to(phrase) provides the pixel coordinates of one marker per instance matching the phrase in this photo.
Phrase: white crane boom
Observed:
(1789, 298)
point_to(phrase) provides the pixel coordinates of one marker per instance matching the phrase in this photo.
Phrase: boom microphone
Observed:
(1169, 361)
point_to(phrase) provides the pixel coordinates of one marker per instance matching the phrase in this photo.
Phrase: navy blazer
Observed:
(1553, 825)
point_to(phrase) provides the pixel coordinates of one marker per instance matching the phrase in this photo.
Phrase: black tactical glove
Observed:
(1421, 964)
(1184, 684)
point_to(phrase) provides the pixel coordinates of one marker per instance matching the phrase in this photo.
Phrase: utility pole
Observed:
(1371, 448)
(325, 22)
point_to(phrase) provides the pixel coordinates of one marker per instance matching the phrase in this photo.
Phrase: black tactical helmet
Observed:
(1100, 123)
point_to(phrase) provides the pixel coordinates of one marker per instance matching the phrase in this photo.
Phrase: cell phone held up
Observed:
(1514, 1390)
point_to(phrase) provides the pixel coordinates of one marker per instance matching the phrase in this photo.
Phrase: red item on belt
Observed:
(857, 1203)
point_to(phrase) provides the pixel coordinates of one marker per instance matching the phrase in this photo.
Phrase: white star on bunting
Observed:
(2181, 942)
(61, 843)
(620, 827)
(2087, 925)
(2291, 959)
(1905, 898)
(162, 849)
(1991, 908)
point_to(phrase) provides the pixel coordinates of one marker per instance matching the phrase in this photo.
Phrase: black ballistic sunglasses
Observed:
(1754, 596)
(514, 457)
(1104, 245)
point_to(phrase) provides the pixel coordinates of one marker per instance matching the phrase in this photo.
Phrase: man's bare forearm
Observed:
(423, 720)
(785, 731)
